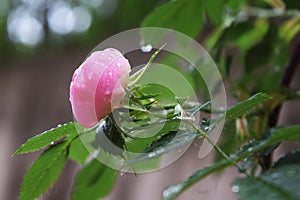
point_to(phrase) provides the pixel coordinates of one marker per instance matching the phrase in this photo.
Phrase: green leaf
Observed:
(215, 11)
(165, 144)
(94, 181)
(46, 138)
(276, 4)
(278, 135)
(78, 152)
(289, 158)
(44, 171)
(185, 16)
(278, 183)
(291, 133)
(234, 4)
(138, 145)
(244, 107)
(260, 54)
(290, 29)
(174, 190)
(228, 141)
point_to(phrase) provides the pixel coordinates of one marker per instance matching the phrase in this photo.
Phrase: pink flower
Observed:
(98, 86)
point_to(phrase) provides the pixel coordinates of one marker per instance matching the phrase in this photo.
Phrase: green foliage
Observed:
(94, 181)
(244, 107)
(142, 144)
(46, 138)
(178, 15)
(44, 171)
(288, 159)
(249, 38)
(254, 58)
(281, 134)
(78, 152)
(215, 11)
(291, 133)
(171, 141)
(278, 183)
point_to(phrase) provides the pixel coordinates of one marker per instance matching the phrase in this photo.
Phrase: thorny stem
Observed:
(218, 149)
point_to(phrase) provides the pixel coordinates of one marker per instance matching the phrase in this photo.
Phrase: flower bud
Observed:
(98, 86)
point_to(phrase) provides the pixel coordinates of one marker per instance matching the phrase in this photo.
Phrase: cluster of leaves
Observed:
(64, 142)
(255, 35)
(259, 32)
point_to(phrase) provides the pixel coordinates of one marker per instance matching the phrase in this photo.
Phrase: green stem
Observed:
(216, 147)
(175, 190)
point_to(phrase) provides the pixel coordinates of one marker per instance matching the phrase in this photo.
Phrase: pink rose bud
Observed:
(98, 86)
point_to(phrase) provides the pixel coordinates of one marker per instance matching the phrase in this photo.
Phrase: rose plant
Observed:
(260, 31)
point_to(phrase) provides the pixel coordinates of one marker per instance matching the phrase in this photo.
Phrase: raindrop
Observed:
(191, 68)
(250, 149)
(235, 189)
(146, 48)
(109, 73)
(59, 125)
(291, 172)
(119, 64)
(107, 91)
(90, 75)
(52, 143)
(122, 173)
(121, 162)
(152, 154)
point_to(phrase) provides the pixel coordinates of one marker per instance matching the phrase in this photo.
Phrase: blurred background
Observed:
(41, 43)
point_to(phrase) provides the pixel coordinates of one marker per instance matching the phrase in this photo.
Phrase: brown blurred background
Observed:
(35, 72)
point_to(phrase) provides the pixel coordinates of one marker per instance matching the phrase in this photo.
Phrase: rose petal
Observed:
(98, 86)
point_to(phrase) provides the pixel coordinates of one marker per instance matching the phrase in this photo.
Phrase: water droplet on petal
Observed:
(90, 75)
(119, 64)
(109, 73)
(147, 48)
(107, 91)
(235, 189)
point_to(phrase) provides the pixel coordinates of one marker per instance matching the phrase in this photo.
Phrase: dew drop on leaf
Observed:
(291, 172)
(235, 189)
